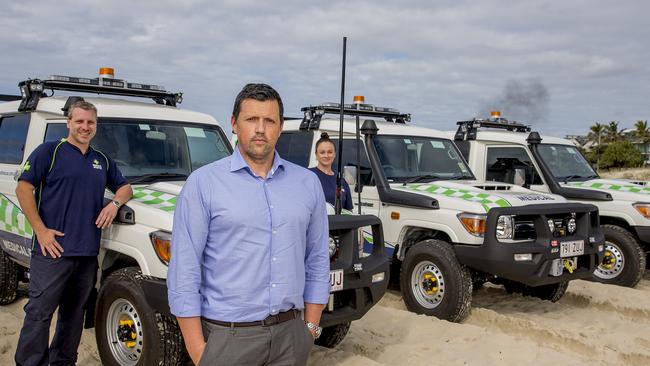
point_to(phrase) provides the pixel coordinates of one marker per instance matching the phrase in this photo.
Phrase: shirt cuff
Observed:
(316, 292)
(184, 305)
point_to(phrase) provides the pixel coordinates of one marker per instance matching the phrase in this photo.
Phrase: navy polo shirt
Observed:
(329, 188)
(69, 192)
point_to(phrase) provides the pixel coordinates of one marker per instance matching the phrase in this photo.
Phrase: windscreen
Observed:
(566, 162)
(406, 157)
(146, 147)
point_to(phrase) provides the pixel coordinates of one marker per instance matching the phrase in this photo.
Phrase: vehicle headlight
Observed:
(333, 246)
(162, 244)
(571, 225)
(643, 208)
(473, 223)
(505, 227)
(551, 225)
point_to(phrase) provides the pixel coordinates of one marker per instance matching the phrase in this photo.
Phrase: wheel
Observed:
(332, 336)
(623, 262)
(8, 279)
(128, 331)
(552, 293)
(434, 283)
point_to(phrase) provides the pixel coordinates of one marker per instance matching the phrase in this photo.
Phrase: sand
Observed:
(593, 324)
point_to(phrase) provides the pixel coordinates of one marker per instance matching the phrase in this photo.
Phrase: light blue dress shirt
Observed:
(244, 247)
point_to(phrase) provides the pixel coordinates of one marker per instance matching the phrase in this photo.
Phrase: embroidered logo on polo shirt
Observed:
(96, 164)
(26, 167)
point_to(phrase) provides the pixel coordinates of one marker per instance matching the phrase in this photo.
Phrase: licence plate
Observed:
(572, 248)
(336, 280)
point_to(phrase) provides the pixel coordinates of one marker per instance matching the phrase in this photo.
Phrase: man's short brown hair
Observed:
(82, 104)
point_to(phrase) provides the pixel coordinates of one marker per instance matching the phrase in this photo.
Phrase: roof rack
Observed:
(32, 90)
(467, 129)
(314, 114)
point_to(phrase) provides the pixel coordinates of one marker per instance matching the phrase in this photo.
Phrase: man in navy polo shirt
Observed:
(61, 191)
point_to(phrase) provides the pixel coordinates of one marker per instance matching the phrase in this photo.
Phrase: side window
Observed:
(13, 135)
(55, 132)
(296, 147)
(502, 162)
(350, 159)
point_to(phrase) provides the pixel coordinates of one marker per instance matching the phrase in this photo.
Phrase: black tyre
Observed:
(434, 283)
(8, 279)
(551, 293)
(332, 336)
(128, 331)
(624, 261)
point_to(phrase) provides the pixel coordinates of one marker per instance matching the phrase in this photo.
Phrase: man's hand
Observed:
(196, 352)
(193, 337)
(46, 238)
(105, 218)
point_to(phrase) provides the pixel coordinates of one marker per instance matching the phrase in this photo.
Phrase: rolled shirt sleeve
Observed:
(317, 262)
(189, 236)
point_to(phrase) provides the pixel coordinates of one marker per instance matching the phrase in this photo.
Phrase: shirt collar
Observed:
(90, 148)
(237, 162)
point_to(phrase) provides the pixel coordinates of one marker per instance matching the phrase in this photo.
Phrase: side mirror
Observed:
(520, 177)
(350, 176)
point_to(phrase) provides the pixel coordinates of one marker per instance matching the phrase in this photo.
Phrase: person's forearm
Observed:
(313, 312)
(193, 336)
(25, 194)
(124, 194)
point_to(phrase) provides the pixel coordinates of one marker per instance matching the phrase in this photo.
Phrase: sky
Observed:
(560, 66)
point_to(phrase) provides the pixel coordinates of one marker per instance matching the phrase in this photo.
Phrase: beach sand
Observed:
(593, 324)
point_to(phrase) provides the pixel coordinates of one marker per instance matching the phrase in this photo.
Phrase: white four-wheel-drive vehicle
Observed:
(156, 146)
(499, 150)
(443, 227)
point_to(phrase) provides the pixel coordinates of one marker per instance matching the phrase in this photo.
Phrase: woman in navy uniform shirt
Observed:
(325, 154)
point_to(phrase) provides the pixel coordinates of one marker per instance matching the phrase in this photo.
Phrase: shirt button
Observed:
(275, 231)
(271, 206)
(274, 311)
(273, 285)
(274, 258)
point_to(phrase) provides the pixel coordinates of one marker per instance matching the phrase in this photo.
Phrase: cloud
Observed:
(438, 61)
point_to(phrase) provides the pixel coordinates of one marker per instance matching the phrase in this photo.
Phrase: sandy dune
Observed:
(593, 324)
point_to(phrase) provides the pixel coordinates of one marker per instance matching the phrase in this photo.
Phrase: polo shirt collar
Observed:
(90, 148)
(237, 162)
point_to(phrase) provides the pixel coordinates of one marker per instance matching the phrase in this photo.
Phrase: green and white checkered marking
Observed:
(488, 201)
(160, 200)
(631, 188)
(13, 220)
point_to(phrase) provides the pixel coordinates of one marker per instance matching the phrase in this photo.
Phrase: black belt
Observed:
(270, 320)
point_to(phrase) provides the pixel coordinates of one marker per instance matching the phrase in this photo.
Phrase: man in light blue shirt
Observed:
(250, 248)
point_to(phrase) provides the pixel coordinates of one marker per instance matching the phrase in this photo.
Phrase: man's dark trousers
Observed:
(65, 282)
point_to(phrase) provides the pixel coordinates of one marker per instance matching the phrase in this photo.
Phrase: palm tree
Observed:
(596, 136)
(595, 133)
(612, 133)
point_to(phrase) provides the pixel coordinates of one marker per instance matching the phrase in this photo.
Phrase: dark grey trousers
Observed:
(287, 343)
(65, 282)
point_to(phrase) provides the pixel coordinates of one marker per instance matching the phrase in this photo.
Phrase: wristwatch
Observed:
(116, 203)
(317, 329)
